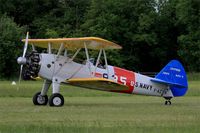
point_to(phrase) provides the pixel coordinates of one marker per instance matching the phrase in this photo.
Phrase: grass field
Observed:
(97, 111)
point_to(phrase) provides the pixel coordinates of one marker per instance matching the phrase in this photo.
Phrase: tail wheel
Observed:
(56, 100)
(38, 99)
(168, 102)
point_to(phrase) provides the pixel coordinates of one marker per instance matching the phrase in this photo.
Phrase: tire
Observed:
(39, 99)
(168, 102)
(56, 100)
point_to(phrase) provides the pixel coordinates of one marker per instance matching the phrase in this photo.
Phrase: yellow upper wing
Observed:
(98, 84)
(94, 43)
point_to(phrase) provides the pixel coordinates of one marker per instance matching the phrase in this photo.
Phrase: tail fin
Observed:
(174, 75)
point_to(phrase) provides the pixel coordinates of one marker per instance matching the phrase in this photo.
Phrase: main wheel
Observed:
(56, 99)
(38, 99)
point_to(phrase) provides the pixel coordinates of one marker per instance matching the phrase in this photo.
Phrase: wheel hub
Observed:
(57, 101)
(41, 99)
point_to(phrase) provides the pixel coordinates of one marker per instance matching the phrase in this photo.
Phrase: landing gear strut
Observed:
(168, 102)
(56, 99)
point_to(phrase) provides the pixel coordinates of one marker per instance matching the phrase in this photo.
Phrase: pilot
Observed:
(92, 60)
(100, 64)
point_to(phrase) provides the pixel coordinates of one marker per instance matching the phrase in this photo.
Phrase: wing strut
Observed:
(60, 49)
(49, 48)
(97, 62)
(75, 54)
(67, 61)
(65, 53)
(87, 55)
(106, 63)
(33, 47)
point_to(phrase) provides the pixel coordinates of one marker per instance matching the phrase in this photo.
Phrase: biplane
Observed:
(56, 67)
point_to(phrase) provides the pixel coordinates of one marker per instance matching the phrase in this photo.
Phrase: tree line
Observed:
(151, 32)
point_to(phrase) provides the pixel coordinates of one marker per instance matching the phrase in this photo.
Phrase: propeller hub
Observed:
(21, 60)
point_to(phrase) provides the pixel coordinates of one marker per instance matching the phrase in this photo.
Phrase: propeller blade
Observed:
(26, 45)
(23, 56)
(20, 76)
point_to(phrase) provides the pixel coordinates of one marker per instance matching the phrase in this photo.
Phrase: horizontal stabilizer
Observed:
(166, 82)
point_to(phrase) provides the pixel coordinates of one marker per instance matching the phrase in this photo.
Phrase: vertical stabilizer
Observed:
(174, 75)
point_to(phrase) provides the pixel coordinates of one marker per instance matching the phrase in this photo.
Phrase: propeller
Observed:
(26, 45)
(22, 60)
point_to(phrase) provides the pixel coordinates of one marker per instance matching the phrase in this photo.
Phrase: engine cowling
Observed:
(32, 66)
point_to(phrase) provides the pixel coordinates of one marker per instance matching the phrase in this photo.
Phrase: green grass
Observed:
(96, 111)
(193, 76)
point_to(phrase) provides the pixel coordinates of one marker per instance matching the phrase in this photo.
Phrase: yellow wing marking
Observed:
(94, 43)
(98, 84)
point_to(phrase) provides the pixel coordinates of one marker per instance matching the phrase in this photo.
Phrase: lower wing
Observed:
(98, 84)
